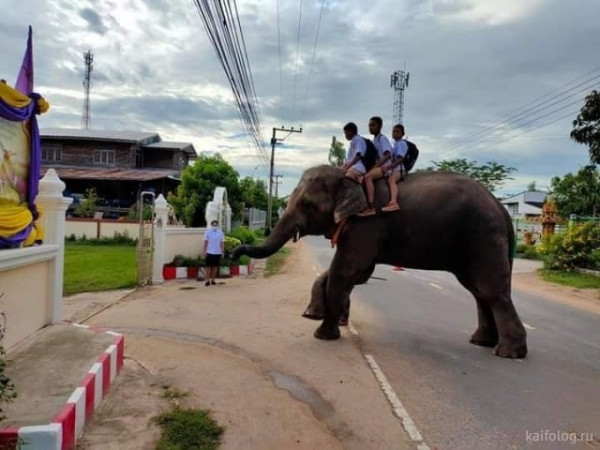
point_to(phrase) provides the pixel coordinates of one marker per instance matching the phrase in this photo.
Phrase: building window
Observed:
(106, 157)
(52, 153)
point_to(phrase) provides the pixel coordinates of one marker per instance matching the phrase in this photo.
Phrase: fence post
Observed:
(54, 206)
(161, 209)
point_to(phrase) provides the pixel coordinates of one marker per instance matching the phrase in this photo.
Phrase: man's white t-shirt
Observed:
(400, 150)
(357, 145)
(214, 238)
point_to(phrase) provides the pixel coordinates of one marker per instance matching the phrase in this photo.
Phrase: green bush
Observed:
(117, 239)
(244, 234)
(595, 256)
(231, 243)
(576, 247)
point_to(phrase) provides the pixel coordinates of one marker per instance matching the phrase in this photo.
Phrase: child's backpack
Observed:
(411, 156)
(370, 157)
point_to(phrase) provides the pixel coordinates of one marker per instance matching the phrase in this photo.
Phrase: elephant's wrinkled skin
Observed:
(446, 222)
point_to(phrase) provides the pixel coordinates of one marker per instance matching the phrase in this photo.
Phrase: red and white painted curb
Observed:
(67, 425)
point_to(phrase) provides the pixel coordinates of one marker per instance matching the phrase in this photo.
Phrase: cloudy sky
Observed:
(472, 64)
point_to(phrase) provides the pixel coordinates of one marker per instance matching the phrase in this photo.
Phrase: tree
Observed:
(531, 187)
(586, 127)
(577, 194)
(492, 175)
(254, 193)
(198, 183)
(87, 207)
(337, 154)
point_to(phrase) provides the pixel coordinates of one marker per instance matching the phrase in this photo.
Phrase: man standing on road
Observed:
(214, 247)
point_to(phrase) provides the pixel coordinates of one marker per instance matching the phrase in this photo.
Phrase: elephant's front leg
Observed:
(343, 275)
(318, 298)
(316, 308)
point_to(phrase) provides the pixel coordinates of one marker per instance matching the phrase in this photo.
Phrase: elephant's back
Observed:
(441, 213)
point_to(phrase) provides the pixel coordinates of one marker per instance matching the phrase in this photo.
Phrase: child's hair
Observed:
(378, 120)
(351, 126)
(400, 127)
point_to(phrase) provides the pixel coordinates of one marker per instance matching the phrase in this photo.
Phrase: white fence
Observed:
(256, 218)
(31, 278)
(170, 241)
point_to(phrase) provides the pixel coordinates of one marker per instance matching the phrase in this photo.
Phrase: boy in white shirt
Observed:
(381, 167)
(353, 168)
(396, 167)
(214, 247)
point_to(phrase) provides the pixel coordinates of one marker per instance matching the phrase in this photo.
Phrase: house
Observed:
(117, 164)
(527, 204)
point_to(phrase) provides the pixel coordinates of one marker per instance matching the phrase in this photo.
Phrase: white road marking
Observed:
(436, 286)
(407, 423)
(529, 327)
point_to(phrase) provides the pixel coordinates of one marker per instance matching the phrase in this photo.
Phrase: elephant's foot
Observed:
(484, 337)
(511, 350)
(327, 331)
(343, 321)
(312, 314)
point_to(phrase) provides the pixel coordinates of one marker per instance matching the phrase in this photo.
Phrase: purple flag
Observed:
(25, 79)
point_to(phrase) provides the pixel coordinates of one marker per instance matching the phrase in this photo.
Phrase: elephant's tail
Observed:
(512, 242)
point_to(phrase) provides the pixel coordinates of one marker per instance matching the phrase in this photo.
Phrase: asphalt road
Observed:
(417, 324)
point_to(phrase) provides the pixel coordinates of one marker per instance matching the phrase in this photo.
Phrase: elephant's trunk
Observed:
(286, 229)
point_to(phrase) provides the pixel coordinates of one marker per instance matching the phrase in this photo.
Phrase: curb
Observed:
(67, 425)
(191, 273)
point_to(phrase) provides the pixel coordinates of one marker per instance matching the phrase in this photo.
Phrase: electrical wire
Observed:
(524, 115)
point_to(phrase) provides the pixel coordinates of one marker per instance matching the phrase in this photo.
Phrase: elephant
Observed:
(447, 221)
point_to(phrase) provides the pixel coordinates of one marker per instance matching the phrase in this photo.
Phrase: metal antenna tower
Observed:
(399, 82)
(87, 83)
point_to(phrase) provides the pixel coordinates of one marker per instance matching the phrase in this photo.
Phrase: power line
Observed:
(312, 62)
(525, 113)
(280, 68)
(221, 22)
(297, 61)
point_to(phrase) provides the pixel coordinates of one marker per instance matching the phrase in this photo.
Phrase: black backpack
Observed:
(370, 157)
(411, 156)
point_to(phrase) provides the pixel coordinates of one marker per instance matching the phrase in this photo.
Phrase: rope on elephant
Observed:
(336, 235)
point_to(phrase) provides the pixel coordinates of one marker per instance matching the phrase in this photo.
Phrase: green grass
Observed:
(573, 279)
(188, 429)
(98, 267)
(276, 261)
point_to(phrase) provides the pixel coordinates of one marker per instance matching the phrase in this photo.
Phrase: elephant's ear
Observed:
(349, 199)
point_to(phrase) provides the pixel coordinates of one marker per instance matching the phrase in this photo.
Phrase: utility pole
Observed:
(277, 183)
(88, 57)
(399, 82)
(274, 140)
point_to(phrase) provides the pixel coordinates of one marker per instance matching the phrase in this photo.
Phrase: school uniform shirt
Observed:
(382, 144)
(214, 237)
(357, 145)
(399, 151)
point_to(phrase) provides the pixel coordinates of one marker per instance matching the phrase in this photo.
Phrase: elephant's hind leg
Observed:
(486, 334)
(499, 324)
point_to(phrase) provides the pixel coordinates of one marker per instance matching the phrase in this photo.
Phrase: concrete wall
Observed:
(24, 281)
(188, 242)
(107, 228)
